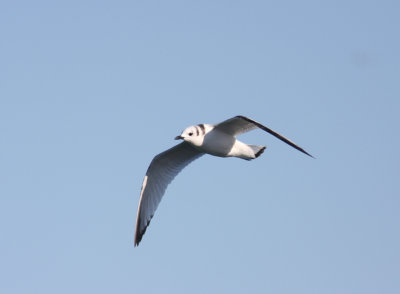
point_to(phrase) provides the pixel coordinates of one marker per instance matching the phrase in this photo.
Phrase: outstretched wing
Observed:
(162, 170)
(241, 124)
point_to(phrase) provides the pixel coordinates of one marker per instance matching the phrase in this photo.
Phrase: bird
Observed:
(214, 139)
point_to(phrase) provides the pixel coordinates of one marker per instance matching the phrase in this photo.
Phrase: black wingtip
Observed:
(138, 233)
(305, 152)
(275, 134)
(138, 238)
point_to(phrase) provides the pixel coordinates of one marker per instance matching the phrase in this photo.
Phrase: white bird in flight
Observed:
(218, 140)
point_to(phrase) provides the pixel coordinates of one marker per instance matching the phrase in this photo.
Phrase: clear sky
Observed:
(91, 91)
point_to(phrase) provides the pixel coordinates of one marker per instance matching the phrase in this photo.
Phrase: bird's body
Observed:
(218, 140)
(217, 143)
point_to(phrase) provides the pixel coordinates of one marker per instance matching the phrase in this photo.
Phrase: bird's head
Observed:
(192, 135)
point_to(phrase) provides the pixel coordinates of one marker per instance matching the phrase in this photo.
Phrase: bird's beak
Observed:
(178, 137)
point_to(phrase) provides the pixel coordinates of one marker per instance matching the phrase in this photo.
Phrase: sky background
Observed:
(91, 91)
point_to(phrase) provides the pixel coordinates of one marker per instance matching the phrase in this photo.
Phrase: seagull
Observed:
(214, 139)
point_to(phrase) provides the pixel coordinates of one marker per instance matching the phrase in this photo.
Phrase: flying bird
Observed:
(218, 140)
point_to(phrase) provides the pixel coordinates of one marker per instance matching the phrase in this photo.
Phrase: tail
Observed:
(258, 150)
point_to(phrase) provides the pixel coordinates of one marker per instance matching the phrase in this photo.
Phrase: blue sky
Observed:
(90, 91)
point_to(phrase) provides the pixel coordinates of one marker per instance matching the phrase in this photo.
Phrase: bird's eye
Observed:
(190, 134)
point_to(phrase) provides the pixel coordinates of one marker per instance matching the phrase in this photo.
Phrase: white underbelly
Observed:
(223, 145)
(218, 143)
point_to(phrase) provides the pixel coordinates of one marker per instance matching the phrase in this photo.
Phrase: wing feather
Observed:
(241, 124)
(236, 126)
(162, 170)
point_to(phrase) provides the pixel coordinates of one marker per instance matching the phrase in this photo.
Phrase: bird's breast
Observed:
(217, 143)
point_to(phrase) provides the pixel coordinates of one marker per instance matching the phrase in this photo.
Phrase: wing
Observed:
(241, 124)
(162, 170)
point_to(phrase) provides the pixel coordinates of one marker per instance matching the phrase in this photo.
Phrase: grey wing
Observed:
(236, 125)
(162, 170)
(241, 124)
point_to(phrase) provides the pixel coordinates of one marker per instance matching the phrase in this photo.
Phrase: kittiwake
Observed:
(218, 140)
